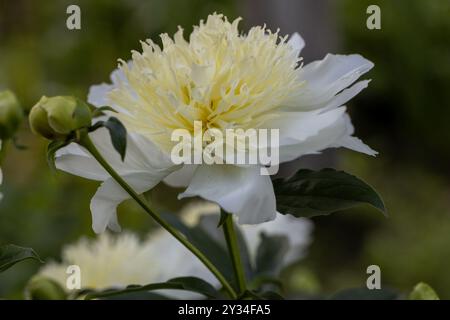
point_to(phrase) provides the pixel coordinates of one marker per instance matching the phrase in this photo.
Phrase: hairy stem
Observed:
(86, 142)
(233, 249)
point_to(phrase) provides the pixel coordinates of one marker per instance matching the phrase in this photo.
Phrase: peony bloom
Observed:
(226, 80)
(115, 262)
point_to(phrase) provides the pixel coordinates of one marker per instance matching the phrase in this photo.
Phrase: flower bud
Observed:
(42, 288)
(57, 117)
(11, 114)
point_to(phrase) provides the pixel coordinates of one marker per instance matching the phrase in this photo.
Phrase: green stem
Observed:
(233, 249)
(86, 142)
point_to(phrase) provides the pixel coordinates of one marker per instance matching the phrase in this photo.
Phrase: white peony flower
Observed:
(106, 261)
(225, 79)
(117, 261)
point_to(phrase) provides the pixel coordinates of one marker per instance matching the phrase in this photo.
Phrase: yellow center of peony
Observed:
(223, 78)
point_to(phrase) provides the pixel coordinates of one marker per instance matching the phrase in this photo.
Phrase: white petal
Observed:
(241, 191)
(296, 42)
(339, 134)
(298, 231)
(144, 167)
(325, 78)
(347, 94)
(202, 75)
(182, 177)
(141, 155)
(98, 94)
(353, 143)
(110, 194)
(171, 254)
(314, 144)
(295, 127)
(78, 162)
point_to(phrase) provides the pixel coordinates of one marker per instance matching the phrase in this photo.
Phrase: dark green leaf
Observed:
(118, 135)
(11, 254)
(197, 285)
(183, 283)
(270, 254)
(97, 125)
(312, 193)
(223, 217)
(51, 151)
(365, 294)
(96, 112)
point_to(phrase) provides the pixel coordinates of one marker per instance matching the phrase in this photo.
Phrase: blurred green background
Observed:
(403, 114)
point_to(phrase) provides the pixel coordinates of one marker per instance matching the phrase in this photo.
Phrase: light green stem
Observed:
(233, 249)
(86, 142)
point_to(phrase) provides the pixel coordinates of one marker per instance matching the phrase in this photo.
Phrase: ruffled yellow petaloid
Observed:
(221, 77)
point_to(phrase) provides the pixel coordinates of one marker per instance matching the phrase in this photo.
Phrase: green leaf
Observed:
(118, 135)
(222, 219)
(423, 291)
(96, 112)
(197, 285)
(183, 283)
(11, 254)
(270, 254)
(51, 151)
(365, 294)
(313, 193)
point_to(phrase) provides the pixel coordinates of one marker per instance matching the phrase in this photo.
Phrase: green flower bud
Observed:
(57, 117)
(423, 291)
(11, 114)
(42, 288)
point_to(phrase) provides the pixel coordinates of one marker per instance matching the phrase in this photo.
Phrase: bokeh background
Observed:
(404, 114)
